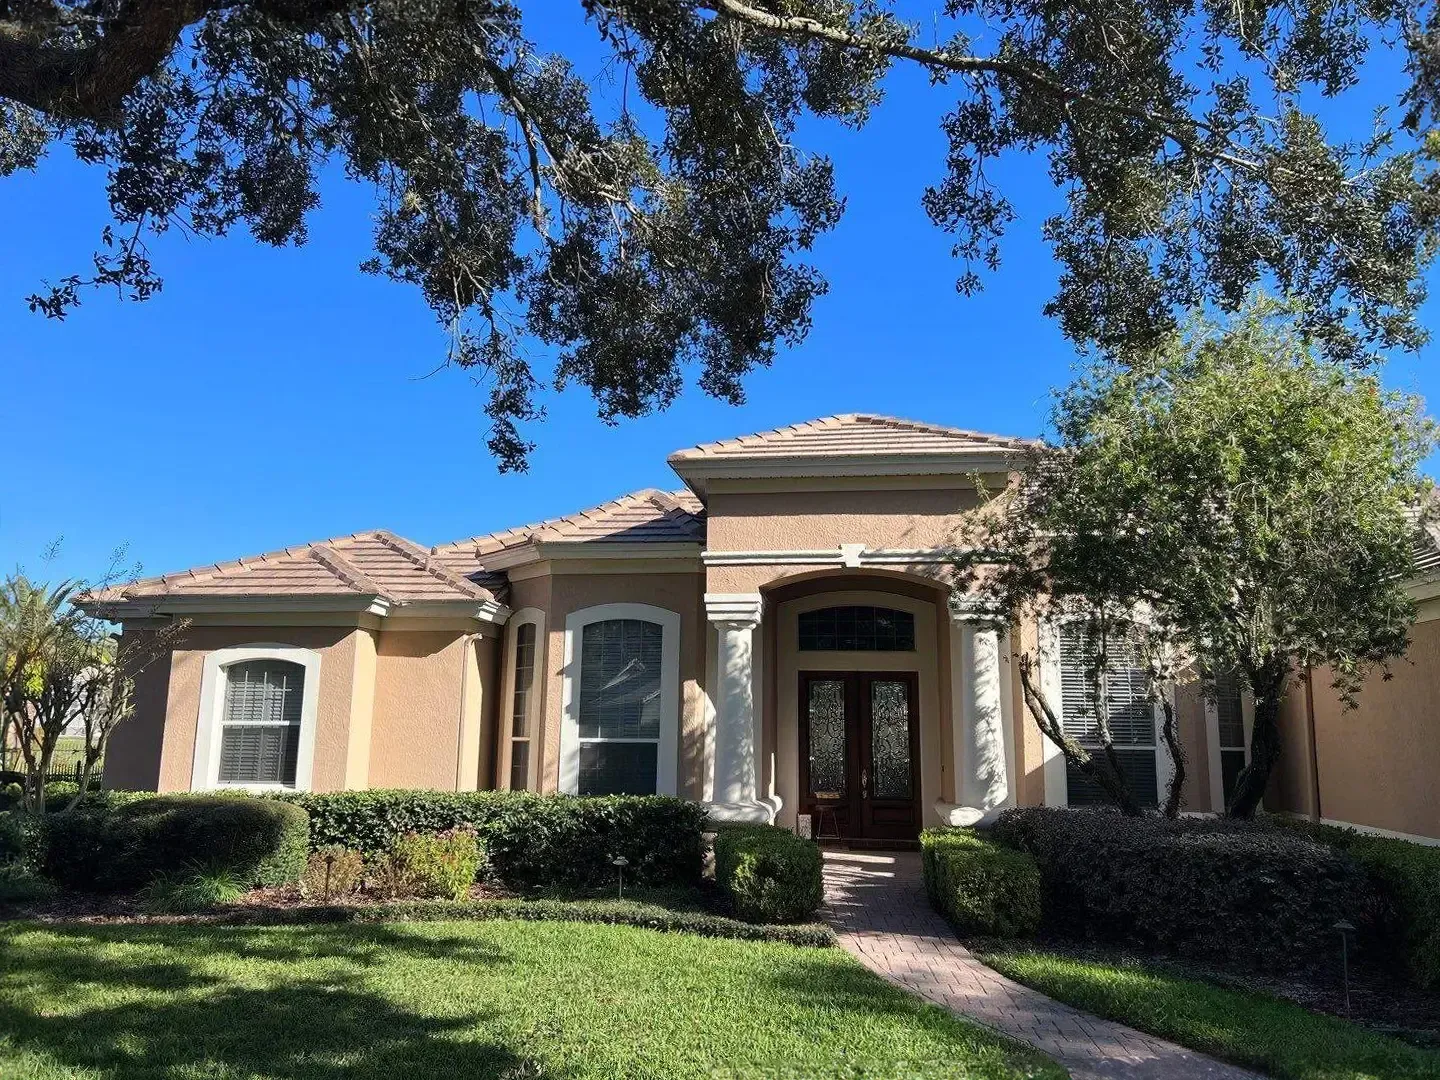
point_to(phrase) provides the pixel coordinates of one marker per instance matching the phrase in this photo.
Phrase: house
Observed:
(776, 638)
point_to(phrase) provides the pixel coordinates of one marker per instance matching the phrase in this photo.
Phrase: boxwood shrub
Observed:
(768, 875)
(1241, 892)
(980, 886)
(257, 841)
(531, 841)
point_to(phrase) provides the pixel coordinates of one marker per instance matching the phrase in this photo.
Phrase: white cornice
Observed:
(734, 609)
(696, 472)
(851, 555)
(538, 550)
(144, 607)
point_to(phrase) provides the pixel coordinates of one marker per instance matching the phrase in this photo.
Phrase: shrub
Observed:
(259, 842)
(19, 884)
(60, 792)
(1238, 891)
(330, 872)
(531, 841)
(438, 865)
(11, 795)
(768, 875)
(980, 886)
(186, 892)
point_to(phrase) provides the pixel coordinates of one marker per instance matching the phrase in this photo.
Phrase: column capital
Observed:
(975, 608)
(738, 611)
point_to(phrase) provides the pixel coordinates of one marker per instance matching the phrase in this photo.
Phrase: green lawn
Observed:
(514, 1000)
(1251, 1029)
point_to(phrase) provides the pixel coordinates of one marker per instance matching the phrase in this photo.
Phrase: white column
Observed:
(981, 738)
(735, 778)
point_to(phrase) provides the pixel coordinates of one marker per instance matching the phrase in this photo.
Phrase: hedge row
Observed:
(1241, 892)
(768, 875)
(532, 841)
(980, 886)
(1407, 876)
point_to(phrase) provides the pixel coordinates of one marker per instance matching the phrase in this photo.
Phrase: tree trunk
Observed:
(1170, 732)
(1269, 687)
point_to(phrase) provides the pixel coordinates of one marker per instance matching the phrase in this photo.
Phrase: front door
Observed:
(860, 754)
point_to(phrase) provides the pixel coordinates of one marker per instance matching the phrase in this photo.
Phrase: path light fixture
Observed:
(620, 862)
(1346, 929)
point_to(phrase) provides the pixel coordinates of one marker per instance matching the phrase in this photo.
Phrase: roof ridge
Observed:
(421, 558)
(347, 571)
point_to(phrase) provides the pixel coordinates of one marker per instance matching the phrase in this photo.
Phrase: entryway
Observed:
(860, 754)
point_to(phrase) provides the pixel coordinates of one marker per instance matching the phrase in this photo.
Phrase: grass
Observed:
(1251, 1029)
(499, 1000)
(190, 891)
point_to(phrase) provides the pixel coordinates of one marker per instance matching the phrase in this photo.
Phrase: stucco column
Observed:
(981, 737)
(736, 741)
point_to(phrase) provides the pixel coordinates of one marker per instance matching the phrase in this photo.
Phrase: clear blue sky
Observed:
(269, 397)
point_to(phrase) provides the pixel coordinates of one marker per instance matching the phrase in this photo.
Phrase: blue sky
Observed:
(268, 397)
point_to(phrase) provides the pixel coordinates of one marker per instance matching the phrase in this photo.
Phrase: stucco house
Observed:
(775, 639)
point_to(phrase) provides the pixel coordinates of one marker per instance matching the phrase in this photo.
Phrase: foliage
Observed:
(1285, 1040)
(61, 670)
(185, 892)
(980, 886)
(11, 795)
(436, 865)
(1255, 503)
(659, 217)
(484, 999)
(20, 884)
(332, 871)
(1408, 877)
(768, 875)
(259, 842)
(530, 841)
(1241, 892)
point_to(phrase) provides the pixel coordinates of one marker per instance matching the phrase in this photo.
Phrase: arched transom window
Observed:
(857, 628)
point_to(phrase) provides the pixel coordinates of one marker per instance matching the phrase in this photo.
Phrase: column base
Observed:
(755, 813)
(968, 816)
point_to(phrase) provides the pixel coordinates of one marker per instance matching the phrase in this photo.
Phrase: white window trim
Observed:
(1212, 740)
(1053, 761)
(666, 766)
(205, 771)
(529, 616)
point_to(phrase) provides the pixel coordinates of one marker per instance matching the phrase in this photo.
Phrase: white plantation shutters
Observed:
(260, 728)
(1132, 718)
(619, 706)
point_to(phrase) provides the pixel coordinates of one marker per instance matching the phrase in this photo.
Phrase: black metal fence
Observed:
(56, 776)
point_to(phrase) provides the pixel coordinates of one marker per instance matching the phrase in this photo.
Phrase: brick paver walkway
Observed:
(877, 905)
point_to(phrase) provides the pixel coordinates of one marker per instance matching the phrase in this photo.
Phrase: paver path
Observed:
(877, 905)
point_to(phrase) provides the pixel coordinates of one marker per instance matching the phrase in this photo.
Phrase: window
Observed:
(1229, 733)
(260, 729)
(621, 701)
(520, 706)
(857, 629)
(1131, 717)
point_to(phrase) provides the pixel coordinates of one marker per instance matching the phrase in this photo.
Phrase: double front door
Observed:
(860, 754)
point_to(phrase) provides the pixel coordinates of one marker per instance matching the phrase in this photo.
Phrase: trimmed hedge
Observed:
(768, 875)
(980, 886)
(1407, 876)
(1241, 892)
(532, 841)
(258, 842)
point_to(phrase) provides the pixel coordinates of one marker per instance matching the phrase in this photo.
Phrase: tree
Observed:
(63, 673)
(660, 219)
(1255, 500)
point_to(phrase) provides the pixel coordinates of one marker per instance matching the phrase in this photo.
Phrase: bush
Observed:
(768, 875)
(436, 865)
(185, 893)
(19, 884)
(1407, 876)
(980, 886)
(531, 841)
(22, 839)
(1242, 892)
(259, 842)
(332, 871)
(58, 793)
(12, 795)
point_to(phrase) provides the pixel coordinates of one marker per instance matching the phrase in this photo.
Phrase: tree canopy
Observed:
(1253, 506)
(658, 219)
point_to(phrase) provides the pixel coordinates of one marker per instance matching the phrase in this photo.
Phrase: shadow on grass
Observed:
(315, 1028)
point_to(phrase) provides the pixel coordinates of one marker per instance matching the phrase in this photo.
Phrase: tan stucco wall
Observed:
(336, 646)
(132, 761)
(1292, 783)
(415, 738)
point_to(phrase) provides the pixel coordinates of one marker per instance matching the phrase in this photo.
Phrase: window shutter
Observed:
(260, 731)
(1131, 717)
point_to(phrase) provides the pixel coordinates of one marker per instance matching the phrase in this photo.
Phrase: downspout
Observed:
(1314, 750)
(466, 649)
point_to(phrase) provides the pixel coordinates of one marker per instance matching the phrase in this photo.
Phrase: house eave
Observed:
(697, 472)
(549, 550)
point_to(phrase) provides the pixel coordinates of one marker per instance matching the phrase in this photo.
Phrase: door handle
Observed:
(864, 783)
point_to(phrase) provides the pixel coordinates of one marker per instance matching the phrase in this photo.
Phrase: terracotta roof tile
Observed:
(851, 435)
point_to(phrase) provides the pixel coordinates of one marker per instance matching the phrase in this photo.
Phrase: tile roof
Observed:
(646, 516)
(375, 563)
(851, 435)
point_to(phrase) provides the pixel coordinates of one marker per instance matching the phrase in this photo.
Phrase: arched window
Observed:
(622, 701)
(857, 629)
(260, 727)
